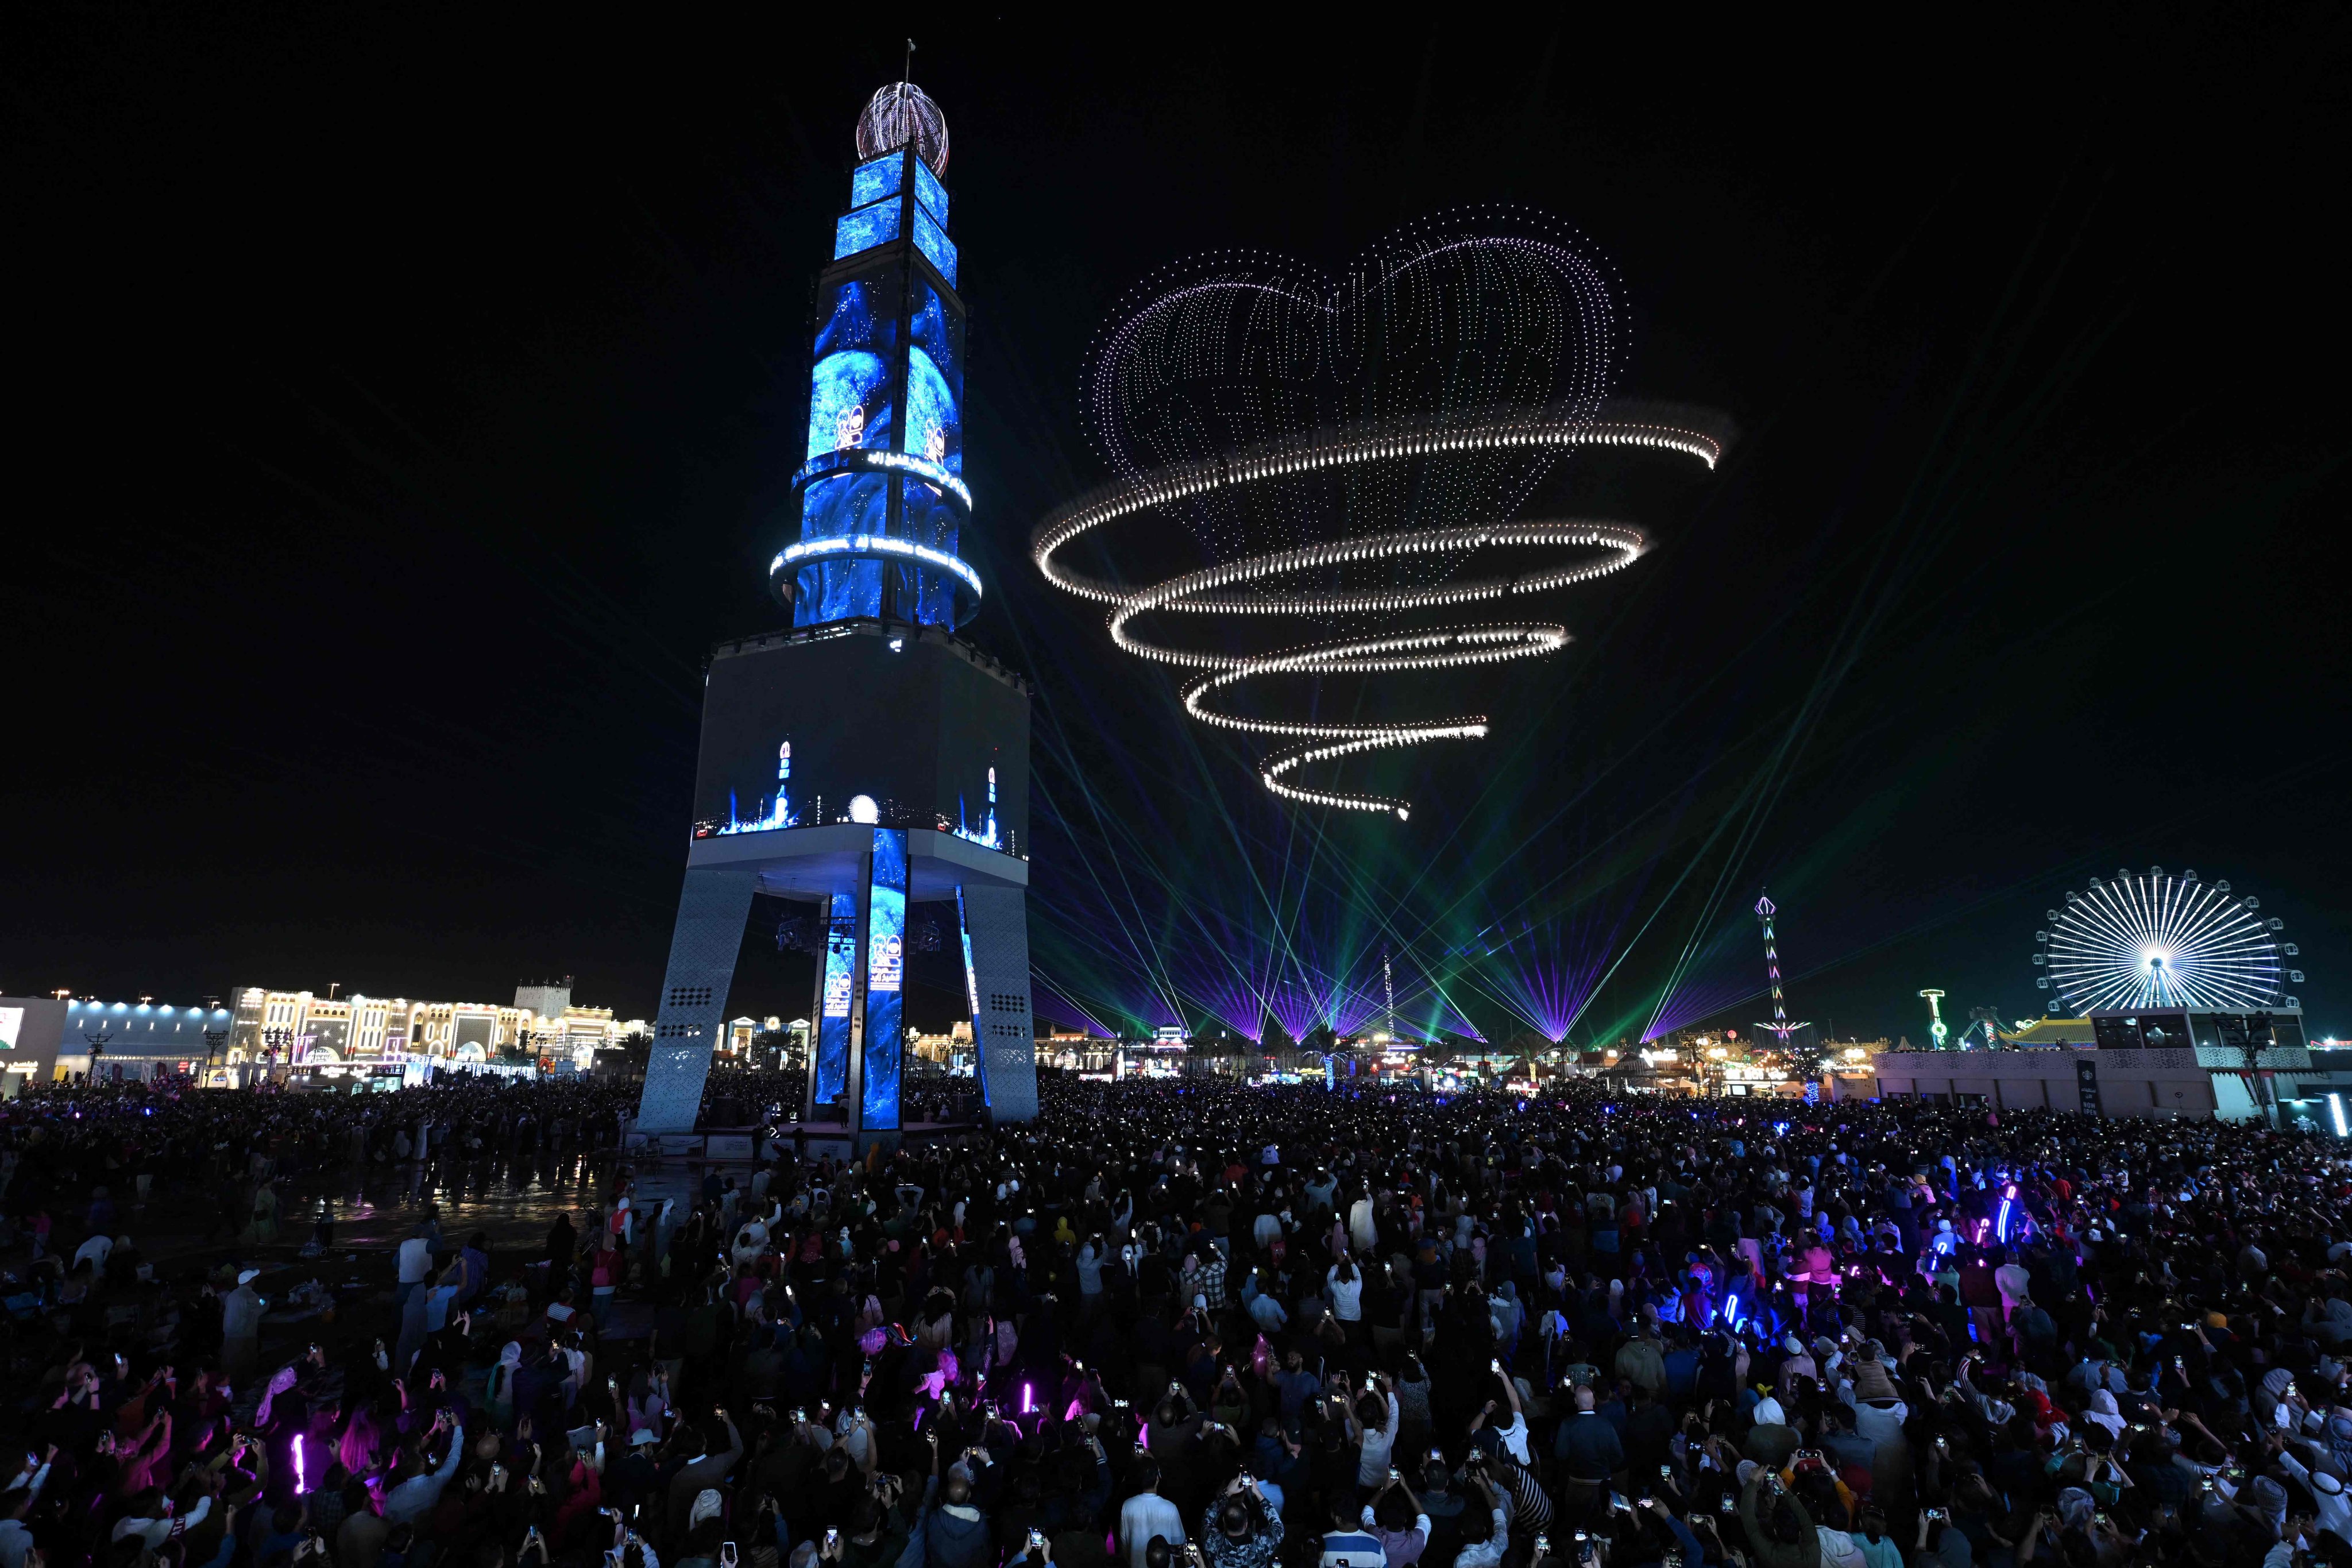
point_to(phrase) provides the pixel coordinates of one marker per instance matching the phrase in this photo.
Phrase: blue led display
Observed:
(934, 424)
(927, 190)
(849, 406)
(934, 429)
(860, 314)
(838, 507)
(849, 402)
(932, 241)
(865, 227)
(885, 977)
(872, 181)
(971, 995)
(833, 1024)
(939, 332)
(881, 332)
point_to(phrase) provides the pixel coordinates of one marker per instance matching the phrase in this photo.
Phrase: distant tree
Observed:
(627, 1058)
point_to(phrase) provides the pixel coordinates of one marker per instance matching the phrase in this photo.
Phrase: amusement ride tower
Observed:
(867, 761)
(1780, 1027)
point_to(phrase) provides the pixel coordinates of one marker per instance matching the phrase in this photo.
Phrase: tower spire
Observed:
(1779, 1027)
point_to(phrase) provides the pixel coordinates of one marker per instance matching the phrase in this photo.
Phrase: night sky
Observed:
(405, 403)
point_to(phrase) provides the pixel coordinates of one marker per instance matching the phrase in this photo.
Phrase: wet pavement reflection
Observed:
(374, 1210)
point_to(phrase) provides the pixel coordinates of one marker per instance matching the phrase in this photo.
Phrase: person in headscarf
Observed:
(279, 1381)
(1503, 1306)
(2277, 1389)
(241, 1327)
(411, 1334)
(751, 1242)
(2104, 1412)
(362, 1436)
(562, 1241)
(2267, 1498)
(2328, 1496)
(499, 1395)
(580, 1502)
(2339, 1441)
(1799, 1364)
(264, 1228)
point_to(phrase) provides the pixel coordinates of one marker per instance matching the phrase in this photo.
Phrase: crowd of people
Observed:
(1180, 1325)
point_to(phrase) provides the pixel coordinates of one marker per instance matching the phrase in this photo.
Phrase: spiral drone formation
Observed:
(2157, 941)
(1336, 452)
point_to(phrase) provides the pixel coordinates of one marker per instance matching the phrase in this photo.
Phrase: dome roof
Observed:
(899, 114)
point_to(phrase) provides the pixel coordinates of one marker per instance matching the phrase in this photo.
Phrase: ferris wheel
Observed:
(2160, 940)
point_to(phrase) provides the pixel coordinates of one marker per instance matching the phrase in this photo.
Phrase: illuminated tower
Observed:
(1779, 1027)
(898, 754)
(1388, 988)
(882, 497)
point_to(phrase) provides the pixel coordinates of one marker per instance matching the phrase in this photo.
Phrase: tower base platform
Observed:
(808, 1140)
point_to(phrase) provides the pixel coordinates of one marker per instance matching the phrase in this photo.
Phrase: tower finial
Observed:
(900, 114)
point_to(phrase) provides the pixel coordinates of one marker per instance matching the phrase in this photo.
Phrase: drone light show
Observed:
(2159, 940)
(1338, 451)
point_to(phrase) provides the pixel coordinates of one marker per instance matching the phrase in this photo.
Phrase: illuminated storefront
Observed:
(44, 1039)
(300, 1028)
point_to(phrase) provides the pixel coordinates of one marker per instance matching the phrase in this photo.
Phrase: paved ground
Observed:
(373, 1212)
(376, 1210)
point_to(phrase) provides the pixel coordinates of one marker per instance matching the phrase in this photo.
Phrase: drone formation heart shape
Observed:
(1335, 450)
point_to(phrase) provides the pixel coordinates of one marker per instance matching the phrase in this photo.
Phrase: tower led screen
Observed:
(971, 995)
(849, 407)
(885, 977)
(866, 228)
(932, 241)
(935, 431)
(870, 182)
(833, 1023)
(930, 192)
(888, 376)
(849, 400)
(925, 732)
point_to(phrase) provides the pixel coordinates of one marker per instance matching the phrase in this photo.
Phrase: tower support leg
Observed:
(1003, 1036)
(703, 945)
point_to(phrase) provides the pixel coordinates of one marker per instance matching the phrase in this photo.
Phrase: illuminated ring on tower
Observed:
(874, 460)
(1201, 591)
(881, 547)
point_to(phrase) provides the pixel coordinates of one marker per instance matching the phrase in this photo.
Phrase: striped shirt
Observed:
(1353, 1549)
